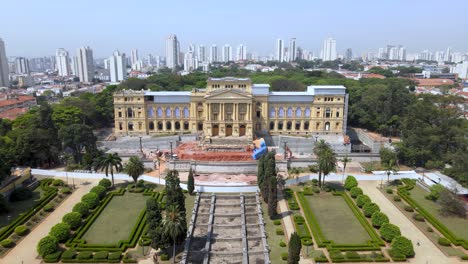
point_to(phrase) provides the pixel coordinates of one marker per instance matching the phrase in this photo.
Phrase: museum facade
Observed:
(232, 107)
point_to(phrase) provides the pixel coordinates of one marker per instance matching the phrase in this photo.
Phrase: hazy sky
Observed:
(37, 28)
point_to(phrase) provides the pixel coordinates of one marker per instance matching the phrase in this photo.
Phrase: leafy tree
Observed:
(320, 147)
(378, 219)
(108, 162)
(370, 208)
(327, 162)
(350, 182)
(73, 219)
(355, 192)
(294, 249)
(272, 196)
(435, 191)
(389, 231)
(402, 245)
(381, 71)
(451, 205)
(82, 208)
(61, 231)
(260, 171)
(134, 168)
(154, 216)
(387, 156)
(174, 194)
(190, 182)
(345, 161)
(78, 137)
(65, 115)
(91, 199)
(390, 167)
(174, 226)
(47, 245)
(362, 199)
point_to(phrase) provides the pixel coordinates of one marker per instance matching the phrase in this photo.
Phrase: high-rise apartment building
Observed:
(172, 51)
(241, 52)
(214, 53)
(134, 56)
(4, 70)
(292, 50)
(62, 62)
(349, 54)
(329, 49)
(22, 65)
(85, 64)
(118, 66)
(227, 53)
(279, 50)
(202, 53)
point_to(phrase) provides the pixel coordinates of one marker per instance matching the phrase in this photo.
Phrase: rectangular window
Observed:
(120, 114)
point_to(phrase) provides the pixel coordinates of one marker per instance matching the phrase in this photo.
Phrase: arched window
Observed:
(281, 112)
(177, 125)
(297, 126)
(168, 112)
(272, 125)
(327, 113)
(129, 112)
(272, 112)
(130, 126)
(150, 111)
(306, 125)
(307, 112)
(160, 112)
(177, 112)
(280, 125)
(186, 113)
(151, 125)
(327, 126)
(160, 125)
(289, 125)
(186, 125)
(290, 111)
(168, 125)
(298, 112)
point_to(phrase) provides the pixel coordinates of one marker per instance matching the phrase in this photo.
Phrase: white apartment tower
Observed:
(85, 64)
(227, 53)
(241, 53)
(279, 50)
(214, 53)
(292, 50)
(4, 70)
(329, 49)
(202, 53)
(133, 56)
(118, 66)
(62, 62)
(172, 51)
(22, 65)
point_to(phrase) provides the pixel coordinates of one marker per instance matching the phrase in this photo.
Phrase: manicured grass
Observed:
(274, 239)
(18, 208)
(337, 221)
(189, 203)
(117, 220)
(457, 225)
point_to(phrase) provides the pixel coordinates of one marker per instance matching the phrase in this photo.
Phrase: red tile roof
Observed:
(19, 99)
(433, 82)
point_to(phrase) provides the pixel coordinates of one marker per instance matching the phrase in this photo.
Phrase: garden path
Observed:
(427, 252)
(25, 251)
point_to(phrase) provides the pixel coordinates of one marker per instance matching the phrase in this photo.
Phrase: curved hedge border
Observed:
(403, 192)
(49, 194)
(374, 244)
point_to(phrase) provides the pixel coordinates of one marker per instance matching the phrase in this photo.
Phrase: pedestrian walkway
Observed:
(25, 252)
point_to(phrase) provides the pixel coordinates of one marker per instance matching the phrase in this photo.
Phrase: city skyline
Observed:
(350, 25)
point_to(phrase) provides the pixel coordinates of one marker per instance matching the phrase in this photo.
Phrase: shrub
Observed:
(444, 242)
(84, 255)
(389, 231)
(352, 255)
(7, 243)
(114, 255)
(314, 181)
(99, 190)
(91, 199)
(306, 241)
(164, 257)
(370, 208)
(362, 200)
(144, 241)
(61, 231)
(464, 257)
(435, 189)
(57, 182)
(52, 258)
(308, 191)
(66, 190)
(429, 229)
(350, 182)
(408, 208)
(82, 208)
(378, 219)
(100, 255)
(277, 222)
(21, 230)
(396, 198)
(336, 255)
(48, 208)
(47, 245)
(141, 183)
(293, 206)
(389, 190)
(106, 183)
(279, 231)
(284, 256)
(355, 191)
(316, 189)
(282, 244)
(402, 245)
(418, 217)
(68, 254)
(20, 194)
(73, 219)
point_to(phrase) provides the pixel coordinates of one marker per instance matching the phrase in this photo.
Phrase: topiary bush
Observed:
(68, 254)
(352, 255)
(47, 245)
(84, 255)
(101, 255)
(350, 182)
(444, 242)
(66, 190)
(7, 243)
(362, 199)
(282, 244)
(429, 229)
(316, 189)
(306, 241)
(284, 256)
(308, 191)
(48, 208)
(61, 231)
(21, 230)
(92, 199)
(277, 222)
(355, 191)
(408, 208)
(370, 208)
(418, 217)
(114, 255)
(164, 257)
(389, 190)
(389, 231)
(396, 198)
(20, 194)
(57, 182)
(279, 231)
(99, 190)
(402, 245)
(73, 219)
(82, 208)
(378, 219)
(106, 183)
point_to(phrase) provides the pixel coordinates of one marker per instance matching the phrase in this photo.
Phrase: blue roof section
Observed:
(326, 89)
(260, 89)
(278, 97)
(168, 97)
(167, 93)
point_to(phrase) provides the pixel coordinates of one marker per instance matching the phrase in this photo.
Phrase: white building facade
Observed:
(85, 64)
(118, 67)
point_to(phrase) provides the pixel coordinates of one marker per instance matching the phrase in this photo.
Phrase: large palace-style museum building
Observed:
(232, 107)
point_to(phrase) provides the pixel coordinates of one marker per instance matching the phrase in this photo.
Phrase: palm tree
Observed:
(108, 162)
(345, 161)
(389, 168)
(134, 168)
(173, 225)
(319, 148)
(327, 162)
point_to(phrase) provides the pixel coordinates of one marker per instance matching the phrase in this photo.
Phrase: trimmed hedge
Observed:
(369, 208)
(47, 245)
(82, 208)
(84, 255)
(53, 258)
(444, 242)
(396, 198)
(301, 227)
(21, 230)
(101, 255)
(68, 254)
(282, 244)
(389, 231)
(408, 208)
(73, 219)
(7, 243)
(378, 219)
(279, 231)
(99, 190)
(362, 200)
(350, 182)
(48, 208)
(66, 190)
(92, 199)
(61, 231)
(418, 217)
(58, 182)
(277, 222)
(355, 192)
(292, 203)
(106, 183)
(284, 256)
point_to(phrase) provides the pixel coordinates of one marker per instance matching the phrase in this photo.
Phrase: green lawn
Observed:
(117, 220)
(18, 208)
(457, 225)
(273, 239)
(337, 221)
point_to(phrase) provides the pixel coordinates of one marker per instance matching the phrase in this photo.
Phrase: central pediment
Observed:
(229, 94)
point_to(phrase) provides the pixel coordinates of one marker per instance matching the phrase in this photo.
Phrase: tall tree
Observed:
(260, 171)
(390, 168)
(134, 168)
(327, 162)
(320, 147)
(272, 196)
(345, 161)
(108, 162)
(78, 137)
(174, 194)
(190, 182)
(294, 249)
(173, 224)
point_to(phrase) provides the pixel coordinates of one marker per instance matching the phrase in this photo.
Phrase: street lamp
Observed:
(170, 142)
(316, 138)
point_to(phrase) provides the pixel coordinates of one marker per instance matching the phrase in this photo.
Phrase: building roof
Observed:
(12, 114)
(18, 99)
(228, 79)
(433, 82)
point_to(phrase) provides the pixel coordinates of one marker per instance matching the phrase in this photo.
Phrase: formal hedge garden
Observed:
(76, 249)
(52, 194)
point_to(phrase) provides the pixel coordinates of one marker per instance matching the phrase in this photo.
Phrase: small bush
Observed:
(20, 194)
(61, 231)
(352, 255)
(144, 241)
(408, 208)
(306, 241)
(48, 208)
(66, 190)
(73, 219)
(114, 255)
(68, 254)
(284, 256)
(279, 231)
(282, 244)
(91, 199)
(429, 229)
(101, 255)
(84, 255)
(396, 198)
(336, 255)
(99, 190)
(277, 222)
(164, 257)
(350, 182)
(355, 191)
(57, 182)
(378, 219)
(402, 245)
(47, 245)
(444, 242)
(106, 183)
(21, 230)
(52, 258)
(418, 217)
(7, 243)
(314, 181)
(370, 208)
(141, 183)
(389, 231)
(464, 257)
(389, 191)
(308, 191)
(293, 206)
(362, 199)
(82, 208)
(315, 189)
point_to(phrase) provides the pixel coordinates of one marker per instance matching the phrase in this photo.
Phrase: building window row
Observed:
(168, 112)
(289, 112)
(287, 126)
